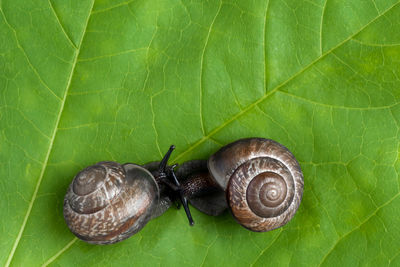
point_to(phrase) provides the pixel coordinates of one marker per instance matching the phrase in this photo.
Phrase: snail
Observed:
(108, 202)
(258, 179)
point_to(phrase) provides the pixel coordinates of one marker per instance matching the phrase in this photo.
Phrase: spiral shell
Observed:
(108, 202)
(263, 182)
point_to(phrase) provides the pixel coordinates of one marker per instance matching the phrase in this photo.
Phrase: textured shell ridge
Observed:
(120, 213)
(271, 174)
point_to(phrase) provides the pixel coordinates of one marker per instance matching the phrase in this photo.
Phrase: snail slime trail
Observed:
(257, 179)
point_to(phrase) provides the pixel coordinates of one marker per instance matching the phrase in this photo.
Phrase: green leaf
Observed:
(85, 81)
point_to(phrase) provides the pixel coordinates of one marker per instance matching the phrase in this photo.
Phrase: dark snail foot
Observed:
(200, 189)
(213, 204)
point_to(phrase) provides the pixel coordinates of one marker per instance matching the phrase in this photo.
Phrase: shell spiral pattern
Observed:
(263, 182)
(107, 202)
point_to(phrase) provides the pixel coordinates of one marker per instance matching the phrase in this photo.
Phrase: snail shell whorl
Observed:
(263, 182)
(107, 202)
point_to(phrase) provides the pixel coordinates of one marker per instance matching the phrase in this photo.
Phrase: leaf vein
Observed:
(202, 69)
(153, 124)
(61, 26)
(26, 56)
(358, 227)
(337, 106)
(255, 103)
(27, 119)
(36, 190)
(208, 250)
(266, 249)
(114, 54)
(374, 44)
(112, 7)
(320, 27)
(265, 47)
(61, 251)
(376, 7)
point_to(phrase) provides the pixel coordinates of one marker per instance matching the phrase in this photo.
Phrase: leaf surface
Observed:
(87, 81)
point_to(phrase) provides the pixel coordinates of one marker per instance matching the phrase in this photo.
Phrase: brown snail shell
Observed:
(262, 180)
(109, 202)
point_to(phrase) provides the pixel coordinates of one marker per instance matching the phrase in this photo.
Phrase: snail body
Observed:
(258, 179)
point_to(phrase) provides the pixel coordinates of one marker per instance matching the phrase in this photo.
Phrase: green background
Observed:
(85, 81)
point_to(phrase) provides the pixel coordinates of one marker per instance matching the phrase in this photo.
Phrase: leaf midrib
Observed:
(198, 143)
(54, 134)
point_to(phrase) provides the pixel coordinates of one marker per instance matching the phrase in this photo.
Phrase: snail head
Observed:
(168, 177)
